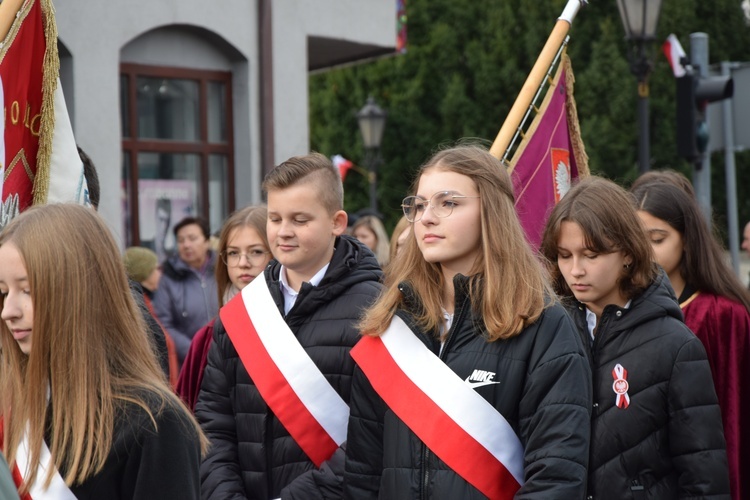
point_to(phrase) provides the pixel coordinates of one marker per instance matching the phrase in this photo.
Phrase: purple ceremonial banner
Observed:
(550, 157)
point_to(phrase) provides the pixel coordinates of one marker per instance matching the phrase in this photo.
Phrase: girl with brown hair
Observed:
(86, 411)
(243, 255)
(490, 395)
(656, 425)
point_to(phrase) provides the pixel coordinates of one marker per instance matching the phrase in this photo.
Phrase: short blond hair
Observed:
(313, 168)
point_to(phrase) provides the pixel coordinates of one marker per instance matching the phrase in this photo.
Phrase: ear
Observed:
(340, 220)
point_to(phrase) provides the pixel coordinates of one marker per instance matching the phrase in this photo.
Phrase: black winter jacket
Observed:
(252, 455)
(668, 442)
(147, 462)
(544, 393)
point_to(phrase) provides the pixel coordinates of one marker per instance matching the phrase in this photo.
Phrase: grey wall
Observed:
(209, 35)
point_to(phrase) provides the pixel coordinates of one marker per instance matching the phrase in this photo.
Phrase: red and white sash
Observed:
(454, 421)
(57, 489)
(288, 380)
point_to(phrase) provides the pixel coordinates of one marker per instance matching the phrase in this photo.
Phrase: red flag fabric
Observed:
(551, 155)
(41, 159)
(2, 143)
(342, 164)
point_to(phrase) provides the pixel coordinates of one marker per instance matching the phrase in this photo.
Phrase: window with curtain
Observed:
(177, 151)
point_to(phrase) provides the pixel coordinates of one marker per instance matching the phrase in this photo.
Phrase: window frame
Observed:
(132, 145)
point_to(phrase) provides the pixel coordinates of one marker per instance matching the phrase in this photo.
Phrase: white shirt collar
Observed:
(289, 293)
(591, 319)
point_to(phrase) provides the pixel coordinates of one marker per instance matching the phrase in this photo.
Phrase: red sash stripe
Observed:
(460, 451)
(273, 386)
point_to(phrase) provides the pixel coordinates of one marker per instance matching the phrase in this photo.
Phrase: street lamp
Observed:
(371, 120)
(640, 17)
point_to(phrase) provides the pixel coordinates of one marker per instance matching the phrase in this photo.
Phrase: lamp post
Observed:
(640, 17)
(371, 120)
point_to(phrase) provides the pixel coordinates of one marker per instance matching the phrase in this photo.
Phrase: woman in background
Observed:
(398, 238)
(370, 231)
(142, 267)
(86, 411)
(244, 253)
(186, 297)
(714, 302)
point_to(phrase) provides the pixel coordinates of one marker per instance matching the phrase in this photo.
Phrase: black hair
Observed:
(198, 221)
(92, 178)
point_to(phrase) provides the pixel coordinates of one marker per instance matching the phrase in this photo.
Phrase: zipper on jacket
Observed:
(268, 442)
(600, 330)
(458, 316)
(425, 473)
(638, 490)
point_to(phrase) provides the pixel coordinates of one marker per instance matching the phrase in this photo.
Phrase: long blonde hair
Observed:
(89, 345)
(508, 288)
(382, 249)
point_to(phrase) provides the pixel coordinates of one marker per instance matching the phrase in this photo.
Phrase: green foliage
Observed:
(467, 61)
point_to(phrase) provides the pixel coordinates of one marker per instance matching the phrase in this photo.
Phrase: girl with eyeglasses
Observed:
(244, 254)
(714, 302)
(656, 425)
(471, 381)
(85, 410)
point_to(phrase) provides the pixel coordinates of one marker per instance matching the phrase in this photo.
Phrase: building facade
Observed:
(184, 105)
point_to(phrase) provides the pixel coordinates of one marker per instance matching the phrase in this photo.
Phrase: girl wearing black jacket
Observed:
(477, 306)
(656, 424)
(86, 411)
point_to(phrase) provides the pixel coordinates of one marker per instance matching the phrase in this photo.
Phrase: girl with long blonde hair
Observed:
(86, 410)
(479, 311)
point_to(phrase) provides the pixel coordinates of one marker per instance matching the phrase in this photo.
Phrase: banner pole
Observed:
(535, 78)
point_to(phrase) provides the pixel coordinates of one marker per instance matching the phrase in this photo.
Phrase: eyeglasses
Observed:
(232, 258)
(441, 203)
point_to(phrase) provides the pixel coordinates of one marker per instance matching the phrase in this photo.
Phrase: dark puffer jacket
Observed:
(544, 393)
(252, 455)
(668, 443)
(186, 300)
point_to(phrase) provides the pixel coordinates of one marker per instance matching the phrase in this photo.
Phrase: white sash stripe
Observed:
(57, 489)
(303, 376)
(461, 403)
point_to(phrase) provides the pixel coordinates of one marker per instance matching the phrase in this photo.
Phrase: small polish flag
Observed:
(342, 164)
(674, 52)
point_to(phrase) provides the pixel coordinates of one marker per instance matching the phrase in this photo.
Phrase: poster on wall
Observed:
(162, 203)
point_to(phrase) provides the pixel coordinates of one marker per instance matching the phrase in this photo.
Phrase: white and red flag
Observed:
(342, 164)
(289, 382)
(41, 158)
(675, 53)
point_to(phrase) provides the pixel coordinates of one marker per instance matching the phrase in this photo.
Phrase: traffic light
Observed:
(694, 92)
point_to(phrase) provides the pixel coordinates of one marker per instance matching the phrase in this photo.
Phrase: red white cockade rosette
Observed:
(620, 386)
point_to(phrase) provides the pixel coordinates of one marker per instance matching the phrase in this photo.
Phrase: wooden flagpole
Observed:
(8, 11)
(535, 78)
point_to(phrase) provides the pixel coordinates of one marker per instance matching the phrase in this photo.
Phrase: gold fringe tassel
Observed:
(50, 72)
(574, 128)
